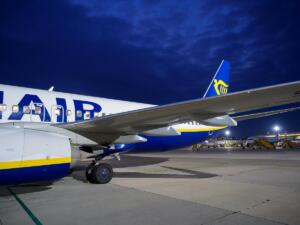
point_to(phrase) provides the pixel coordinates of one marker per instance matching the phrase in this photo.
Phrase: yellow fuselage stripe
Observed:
(35, 162)
(204, 129)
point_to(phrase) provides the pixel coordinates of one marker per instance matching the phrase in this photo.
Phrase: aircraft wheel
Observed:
(89, 173)
(102, 173)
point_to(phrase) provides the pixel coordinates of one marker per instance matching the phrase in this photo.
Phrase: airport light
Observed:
(227, 132)
(276, 128)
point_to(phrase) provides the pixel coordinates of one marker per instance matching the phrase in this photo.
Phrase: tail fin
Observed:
(220, 83)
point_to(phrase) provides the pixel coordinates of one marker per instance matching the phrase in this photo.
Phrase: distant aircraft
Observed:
(39, 129)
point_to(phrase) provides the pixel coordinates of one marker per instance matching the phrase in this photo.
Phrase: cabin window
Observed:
(87, 115)
(69, 112)
(26, 109)
(15, 108)
(57, 111)
(37, 110)
(79, 113)
(3, 107)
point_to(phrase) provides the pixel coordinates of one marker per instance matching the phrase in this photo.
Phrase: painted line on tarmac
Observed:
(27, 210)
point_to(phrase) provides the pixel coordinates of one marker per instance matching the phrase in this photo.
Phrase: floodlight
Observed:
(276, 128)
(227, 132)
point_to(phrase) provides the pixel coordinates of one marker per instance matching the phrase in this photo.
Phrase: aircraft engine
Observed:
(29, 155)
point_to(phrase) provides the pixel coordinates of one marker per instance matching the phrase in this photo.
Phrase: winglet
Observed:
(51, 88)
(220, 83)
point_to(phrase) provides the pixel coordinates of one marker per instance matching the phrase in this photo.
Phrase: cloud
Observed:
(150, 51)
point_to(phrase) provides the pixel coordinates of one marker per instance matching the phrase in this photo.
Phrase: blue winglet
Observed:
(220, 83)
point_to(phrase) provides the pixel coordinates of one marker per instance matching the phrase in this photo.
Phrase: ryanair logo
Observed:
(220, 87)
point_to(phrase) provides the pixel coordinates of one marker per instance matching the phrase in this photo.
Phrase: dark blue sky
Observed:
(151, 51)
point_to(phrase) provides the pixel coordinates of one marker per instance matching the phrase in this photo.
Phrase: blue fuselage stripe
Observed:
(33, 174)
(166, 143)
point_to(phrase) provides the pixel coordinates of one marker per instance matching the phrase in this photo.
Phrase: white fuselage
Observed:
(33, 105)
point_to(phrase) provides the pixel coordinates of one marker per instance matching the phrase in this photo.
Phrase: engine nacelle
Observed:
(28, 155)
(225, 120)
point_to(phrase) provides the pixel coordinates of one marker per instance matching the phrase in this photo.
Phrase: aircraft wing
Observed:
(107, 128)
(263, 114)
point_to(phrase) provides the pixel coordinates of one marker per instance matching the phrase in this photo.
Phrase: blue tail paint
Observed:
(220, 83)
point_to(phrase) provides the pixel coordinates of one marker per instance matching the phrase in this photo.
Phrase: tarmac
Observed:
(212, 187)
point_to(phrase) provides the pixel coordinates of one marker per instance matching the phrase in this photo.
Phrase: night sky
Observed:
(155, 52)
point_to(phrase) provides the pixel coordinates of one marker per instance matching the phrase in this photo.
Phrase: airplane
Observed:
(41, 129)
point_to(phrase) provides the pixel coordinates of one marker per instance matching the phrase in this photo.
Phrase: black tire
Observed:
(89, 173)
(102, 173)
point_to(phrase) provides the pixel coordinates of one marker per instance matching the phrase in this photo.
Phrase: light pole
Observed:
(227, 134)
(277, 129)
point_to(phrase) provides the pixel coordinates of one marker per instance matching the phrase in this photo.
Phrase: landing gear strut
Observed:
(99, 173)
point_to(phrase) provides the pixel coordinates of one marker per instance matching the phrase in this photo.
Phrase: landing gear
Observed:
(101, 173)
(88, 172)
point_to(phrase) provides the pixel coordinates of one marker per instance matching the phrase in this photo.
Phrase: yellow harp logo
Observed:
(220, 87)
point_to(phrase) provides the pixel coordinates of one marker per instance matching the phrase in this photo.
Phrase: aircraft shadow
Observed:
(191, 174)
(134, 161)
(126, 161)
(24, 189)
(80, 175)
